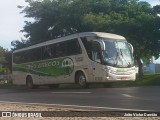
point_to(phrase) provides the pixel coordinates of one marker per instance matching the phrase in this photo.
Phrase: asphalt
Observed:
(110, 99)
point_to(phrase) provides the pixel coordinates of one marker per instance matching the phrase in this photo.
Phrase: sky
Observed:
(11, 21)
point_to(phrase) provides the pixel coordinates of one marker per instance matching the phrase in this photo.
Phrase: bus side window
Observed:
(46, 52)
(17, 58)
(96, 56)
(61, 49)
(37, 54)
(73, 47)
(21, 57)
(88, 46)
(53, 51)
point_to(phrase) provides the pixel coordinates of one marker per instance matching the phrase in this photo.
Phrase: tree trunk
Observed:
(140, 67)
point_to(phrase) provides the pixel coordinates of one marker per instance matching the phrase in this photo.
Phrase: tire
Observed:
(29, 83)
(81, 80)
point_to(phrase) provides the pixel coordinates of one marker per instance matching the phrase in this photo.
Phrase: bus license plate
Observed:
(123, 78)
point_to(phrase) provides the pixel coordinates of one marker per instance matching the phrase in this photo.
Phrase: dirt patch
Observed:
(26, 111)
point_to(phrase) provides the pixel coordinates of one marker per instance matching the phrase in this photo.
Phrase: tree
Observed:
(2, 53)
(135, 20)
(8, 63)
(5, 61)
(20, 44)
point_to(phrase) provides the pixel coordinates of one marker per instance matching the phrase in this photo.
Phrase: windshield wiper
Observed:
(117, 55)
(128, 63)
(116, 59)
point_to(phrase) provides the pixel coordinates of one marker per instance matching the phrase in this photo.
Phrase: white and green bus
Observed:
(82, 58)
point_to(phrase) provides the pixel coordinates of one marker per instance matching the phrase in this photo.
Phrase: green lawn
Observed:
(148, 80)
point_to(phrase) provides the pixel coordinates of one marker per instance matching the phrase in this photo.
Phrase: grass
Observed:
(148, 80)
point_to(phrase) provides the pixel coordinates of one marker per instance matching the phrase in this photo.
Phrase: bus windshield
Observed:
(118, 53)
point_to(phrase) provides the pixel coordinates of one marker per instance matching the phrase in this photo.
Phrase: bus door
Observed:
(97, 62)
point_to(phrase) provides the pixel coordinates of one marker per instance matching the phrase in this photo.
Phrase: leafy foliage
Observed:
(5, 61)
(137, 21)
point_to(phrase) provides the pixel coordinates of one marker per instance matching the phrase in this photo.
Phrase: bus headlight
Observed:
(109, 70)
(112, 71)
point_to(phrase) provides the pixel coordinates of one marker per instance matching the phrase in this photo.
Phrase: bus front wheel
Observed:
(81, 80)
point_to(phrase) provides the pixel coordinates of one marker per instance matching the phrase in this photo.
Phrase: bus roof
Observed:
(83, 34)
(101, 34)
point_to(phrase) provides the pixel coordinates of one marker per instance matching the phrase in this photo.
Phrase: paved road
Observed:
(133, 98)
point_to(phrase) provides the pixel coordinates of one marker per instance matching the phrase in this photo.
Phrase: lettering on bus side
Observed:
(42, 65)
(79, 59)
(52, 67)
(61, 66)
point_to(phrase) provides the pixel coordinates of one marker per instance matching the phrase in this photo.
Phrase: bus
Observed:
(82, 58)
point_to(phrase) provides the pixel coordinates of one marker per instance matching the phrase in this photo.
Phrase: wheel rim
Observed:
(29, 84)
(82, 80)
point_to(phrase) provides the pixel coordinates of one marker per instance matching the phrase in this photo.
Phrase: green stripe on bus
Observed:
(52, 67)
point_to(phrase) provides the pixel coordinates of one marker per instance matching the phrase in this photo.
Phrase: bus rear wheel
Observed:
(29, 83)
(81, 80)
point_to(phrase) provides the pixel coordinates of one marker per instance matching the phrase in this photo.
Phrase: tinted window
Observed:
(19, 57)
(27, 56)
(34, 55)
(47, 52)
(66, 48)
(73, 47)
(61, 49)
(92, 48)
(96, 56)
(88, 46)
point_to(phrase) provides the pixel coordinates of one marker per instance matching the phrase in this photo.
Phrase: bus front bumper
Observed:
(122, 77)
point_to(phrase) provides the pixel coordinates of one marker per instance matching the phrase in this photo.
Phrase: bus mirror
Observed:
(102, 46)
(100, 43)
(131, 47)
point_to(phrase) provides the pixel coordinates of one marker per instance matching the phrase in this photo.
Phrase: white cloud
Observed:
(152, 2)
